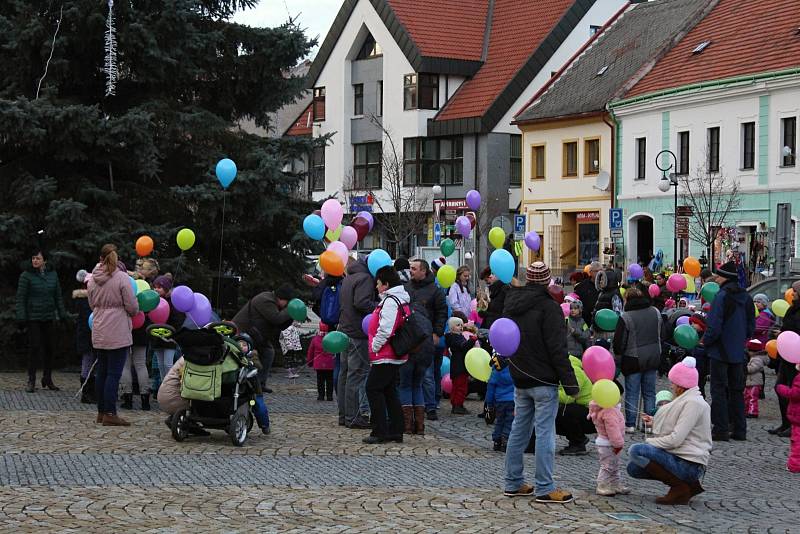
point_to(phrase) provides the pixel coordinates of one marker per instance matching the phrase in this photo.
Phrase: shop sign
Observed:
(587, 216)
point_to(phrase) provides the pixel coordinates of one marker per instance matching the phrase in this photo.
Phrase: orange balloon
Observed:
(789, 295)
(331, 263)
(772, 348)
(691, 267)
(144, 245)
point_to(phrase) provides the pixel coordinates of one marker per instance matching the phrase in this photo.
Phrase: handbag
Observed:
(410, 333)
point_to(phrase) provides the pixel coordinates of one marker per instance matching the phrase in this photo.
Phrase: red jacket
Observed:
(386, 319)
(318, 358)
(793, 394)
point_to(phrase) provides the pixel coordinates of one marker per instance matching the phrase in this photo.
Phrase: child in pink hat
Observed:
(793, 414)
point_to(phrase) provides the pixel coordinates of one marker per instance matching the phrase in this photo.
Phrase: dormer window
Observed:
(702, 46)
(421, 91)
(370, 49)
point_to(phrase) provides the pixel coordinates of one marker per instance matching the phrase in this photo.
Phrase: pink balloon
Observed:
(161, 313)
(598, 364)
(332, 213)
(341, 250)
(654, 290)
(565, 308)
(676, 282)
(447, 384)
(789, 346)
(137, 320)
(349, 237)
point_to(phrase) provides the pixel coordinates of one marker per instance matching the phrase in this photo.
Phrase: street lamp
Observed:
(670, 179)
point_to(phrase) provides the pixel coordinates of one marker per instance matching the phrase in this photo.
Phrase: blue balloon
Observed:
(91, 320)
(133, 285)
(314, 227)
(502, 264)
(226, 172)
(445, 366)
(378, 258)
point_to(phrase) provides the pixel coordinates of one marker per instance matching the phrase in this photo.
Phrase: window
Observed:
(537, 162)
(380, 99)
(367, 166)
(318, 109)
(516, 160)
(421, 91)
(433, 160)
(789, 141)
(713, 149)
(748, 145)
(683, 153)
(369, 49)
(570, 159)
(358, 99)
(591, 155)
(702, 46)
(641, 158)
(317, 176)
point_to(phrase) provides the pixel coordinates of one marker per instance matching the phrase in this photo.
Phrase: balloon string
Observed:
(177, 269)
(219, 269)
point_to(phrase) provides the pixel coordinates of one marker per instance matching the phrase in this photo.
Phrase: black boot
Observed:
(31, 387)
(85, 391)
(127, 401)
(146, 402)
(47, 383)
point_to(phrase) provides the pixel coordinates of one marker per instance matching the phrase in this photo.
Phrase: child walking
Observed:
(757, 360)
(292, 350)
(500, 401)
(793, 414)
(322, 362)
(610, 425)
(458, 347)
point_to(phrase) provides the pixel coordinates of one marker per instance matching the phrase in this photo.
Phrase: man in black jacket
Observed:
(537, 368)
(588, 293)
(429, 298)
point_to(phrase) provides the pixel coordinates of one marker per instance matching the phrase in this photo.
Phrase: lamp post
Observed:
(437, 190)
(670, 179)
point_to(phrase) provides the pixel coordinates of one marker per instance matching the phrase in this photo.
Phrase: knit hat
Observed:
(669, 303)
(80, 276)
(755, 345)
(698, 320)
(684, 373)
(164, 282)
(576, 304)
(285, 292)
(538, 273)
(664, 395)
(572, 297)
(438, 263)
(763, 299)
(452, 322)
(728, 270)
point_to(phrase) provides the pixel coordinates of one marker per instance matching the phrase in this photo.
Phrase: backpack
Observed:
(329, 308)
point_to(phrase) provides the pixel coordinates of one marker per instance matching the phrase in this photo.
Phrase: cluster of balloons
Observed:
(326, 224)
(195, 305)
(599, 366)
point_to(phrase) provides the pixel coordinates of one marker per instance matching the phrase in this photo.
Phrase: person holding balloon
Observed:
(458, 296)
(757, 360)
(500, 401)
(497, 297)
(787, 370)
(791, 393)
(458, 347)
(165, 312)
(146, 274)
(610, 425)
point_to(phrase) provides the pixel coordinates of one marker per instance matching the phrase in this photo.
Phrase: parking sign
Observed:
(615, 219)
(519, 223)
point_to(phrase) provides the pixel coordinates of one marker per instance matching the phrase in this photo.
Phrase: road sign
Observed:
(616, 232)
(615, 219)
(682, 228)
(437, 233)
(685, 211)
(519, 236)
(519, 224)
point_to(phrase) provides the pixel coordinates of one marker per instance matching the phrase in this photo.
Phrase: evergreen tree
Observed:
(90, 169)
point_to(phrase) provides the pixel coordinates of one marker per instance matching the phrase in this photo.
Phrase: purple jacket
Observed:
(764, 323)
(113, 304)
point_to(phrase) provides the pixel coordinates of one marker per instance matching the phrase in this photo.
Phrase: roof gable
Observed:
(303, 124)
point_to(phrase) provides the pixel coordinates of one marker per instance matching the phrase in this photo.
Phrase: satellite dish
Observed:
(603, 181)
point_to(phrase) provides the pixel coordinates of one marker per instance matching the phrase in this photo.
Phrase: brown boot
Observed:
(408, 419)
(696, 488)
(679, 492)
(112, 419)
(419, 420)
(99, 417)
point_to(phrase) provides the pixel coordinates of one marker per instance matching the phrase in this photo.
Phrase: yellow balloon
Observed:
(622, 291)
(780, 307)
(185, 239)
(690, 287)
(497, 237)
(141, 285)
(446, 276)
(477, 362)
(605, 393)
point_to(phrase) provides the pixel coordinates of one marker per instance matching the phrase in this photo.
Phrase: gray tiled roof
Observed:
(628, 48)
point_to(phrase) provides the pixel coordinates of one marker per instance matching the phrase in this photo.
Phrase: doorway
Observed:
(640, 238)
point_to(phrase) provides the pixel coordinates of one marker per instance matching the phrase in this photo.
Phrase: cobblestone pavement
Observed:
(61, 472)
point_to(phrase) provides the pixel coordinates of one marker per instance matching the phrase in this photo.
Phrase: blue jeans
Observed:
(337, 365)
(642, 454)
(410, 392)
(437, 374)
(535, 407)
(109, 371)
(504, 417)
(429, 387)
(266, 356)
(166, 358)
(644, 382)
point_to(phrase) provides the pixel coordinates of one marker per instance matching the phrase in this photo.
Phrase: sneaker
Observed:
(606, 491)
(578, 449)
(630, 429)
(31, 387)
(431, 415)
(621, 489)
(557, 496)
(526, 490)
(498, 446)
(459, 410)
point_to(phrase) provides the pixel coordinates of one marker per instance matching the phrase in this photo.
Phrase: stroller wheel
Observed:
(238, 429)
(180, 425)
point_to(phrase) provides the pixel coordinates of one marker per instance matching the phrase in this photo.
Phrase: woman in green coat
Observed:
(39, 303)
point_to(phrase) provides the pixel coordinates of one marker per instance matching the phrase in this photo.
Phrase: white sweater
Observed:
(683, 427)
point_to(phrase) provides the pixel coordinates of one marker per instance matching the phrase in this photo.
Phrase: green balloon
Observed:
(335, 342)
(148, 300)
(686, 336)
(606, 320)
(447, 247)
(297, 310)
(709, 291)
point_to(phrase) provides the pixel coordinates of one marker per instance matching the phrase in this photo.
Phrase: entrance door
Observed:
(644, 239)
(588, 243)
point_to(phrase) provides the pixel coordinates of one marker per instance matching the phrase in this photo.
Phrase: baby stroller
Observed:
(219, 380)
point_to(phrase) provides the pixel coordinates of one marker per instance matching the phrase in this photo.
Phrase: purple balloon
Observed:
(682, 320)
(533, 241)
(365, 324)
(368, 217)
(201, 311)
(504, 337)
(635, 271)
(463, 226)
(473, 200)
(182, 298)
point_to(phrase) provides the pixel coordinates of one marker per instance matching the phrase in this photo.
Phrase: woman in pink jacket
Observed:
(113, 303)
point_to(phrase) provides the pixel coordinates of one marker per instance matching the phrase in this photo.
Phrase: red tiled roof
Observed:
(518, 27)
(747, 37)
(302, 126)
(451, 29)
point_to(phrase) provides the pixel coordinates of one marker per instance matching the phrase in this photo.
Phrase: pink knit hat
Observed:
(684, 373)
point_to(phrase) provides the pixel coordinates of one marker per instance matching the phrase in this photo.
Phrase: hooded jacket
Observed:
(607, 284)
(459, 299)
(587, 291)
(683, 427)
(387, 318)
(610, 425)
(764, 323)
(637, 339)
(356, 298)
(262, 319)
(497, 299)
(541, 359)
(83, 336)
(585, 393)
(317, 358)
(792, 393)
(500, 387)
(39, 296)
(113, 304)
(756, 363)
(730, 323)
(427, 297)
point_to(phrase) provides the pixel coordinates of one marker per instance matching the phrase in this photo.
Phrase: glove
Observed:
(572, 391)
(489, 414)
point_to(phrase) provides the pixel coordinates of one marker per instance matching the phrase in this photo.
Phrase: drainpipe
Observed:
(613, 126)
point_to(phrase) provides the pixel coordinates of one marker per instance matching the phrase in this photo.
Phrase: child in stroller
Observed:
(218, 381)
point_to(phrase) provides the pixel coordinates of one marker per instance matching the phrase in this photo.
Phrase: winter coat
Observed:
(584, 384)
(755, 366)
(588, 293)
(764, 323)
(459, 346)
(386, 319)
(175, 320)
(497, 298)
(683, 427)
(290, 340)
(317, 357)
(730, 323)
(793, 394)
(262, 319)
(429, 298)
(356, 298)
(500, 387)
(609, 298)
(610, 425)
(39, 296)
(169, 393)
(541, 359)
(459, 299)
(577, 335)
(83, 335)
(113, 304)
(637, 339)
